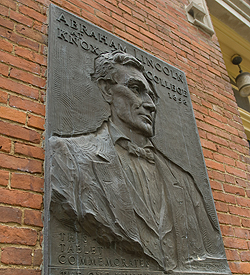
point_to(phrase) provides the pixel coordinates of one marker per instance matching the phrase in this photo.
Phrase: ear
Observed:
(105, 88)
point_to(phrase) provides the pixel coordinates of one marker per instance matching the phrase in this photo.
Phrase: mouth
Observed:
(147, 118)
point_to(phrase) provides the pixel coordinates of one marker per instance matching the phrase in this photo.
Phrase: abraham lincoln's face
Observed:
(132, 100)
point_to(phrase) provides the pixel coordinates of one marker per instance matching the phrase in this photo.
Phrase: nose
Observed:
(149, 104)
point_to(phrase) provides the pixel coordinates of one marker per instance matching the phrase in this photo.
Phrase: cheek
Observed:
(126, 102)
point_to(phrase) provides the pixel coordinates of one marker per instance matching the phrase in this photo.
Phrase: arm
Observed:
(63, 180)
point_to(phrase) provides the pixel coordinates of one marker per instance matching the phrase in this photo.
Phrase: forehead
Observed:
(125, 73)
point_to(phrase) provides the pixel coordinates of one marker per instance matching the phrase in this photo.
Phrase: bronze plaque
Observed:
(127, 190)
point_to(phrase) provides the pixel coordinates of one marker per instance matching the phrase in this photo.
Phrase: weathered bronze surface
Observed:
(127, 190)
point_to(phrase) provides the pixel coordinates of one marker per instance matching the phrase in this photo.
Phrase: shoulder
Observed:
(79, 144)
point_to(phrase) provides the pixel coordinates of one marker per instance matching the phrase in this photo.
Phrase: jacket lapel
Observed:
(110, 176)
(176, 194)
(120, 192)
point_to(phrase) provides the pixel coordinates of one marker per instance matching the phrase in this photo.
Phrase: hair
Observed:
(104, 66)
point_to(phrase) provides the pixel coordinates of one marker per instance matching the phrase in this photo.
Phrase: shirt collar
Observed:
(116, 134)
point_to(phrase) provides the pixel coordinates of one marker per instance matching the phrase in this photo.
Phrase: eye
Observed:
(135, 88)
(152, 95)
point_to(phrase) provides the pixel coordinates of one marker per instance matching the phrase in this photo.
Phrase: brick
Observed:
(30, 33)
(232, 255)
(5, 144)
(16, 256)
(214, 122)
(12, 114)
(31, 4)
(18, 39)
(4, 178)
(19, 62)
(236, 124)
(38, 257)
(43, 74)
(245, 256)
(20, 164)
(235, 243)
(6, 23)
(129, 37)
(90, 6)
(11, 271)
(214, 165)
(239, 211)
(9, 3)
(4, 69)
(149, 9)
(241, 165)
(18, 17)
(239, 148)
(234, 190)
(216, 139)
(245, 222)
(241, 233)
(217, 175)
(33, 217)
(41, 238)
(229, 219)
(68, 6)
(31, 55)
(36, 122)
(220, 206)
(200, 108)
(215, 185)
(231, 130)
(28, 150)
(207, 153)
(4, 11)
(235, 171)
(27, 105)
(111, 6)
(227, 152)
(230, 179)
(19, 132)
(3, 97)
(27, 182)
(124, 8)
(227, 231)
(44, 50)
(208, 144)
(239, 268)
(10, 214)
(243, 202)
(19, 88)
(21, 198)
(28, 78)
(206, 127)
(240, 140)
(17, 235)
(224, 134)
(32, 13)
(41, 27)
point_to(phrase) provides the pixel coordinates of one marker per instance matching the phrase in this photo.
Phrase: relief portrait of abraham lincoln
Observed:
(118, 187)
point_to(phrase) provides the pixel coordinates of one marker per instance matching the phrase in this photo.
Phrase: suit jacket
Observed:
(90, 190)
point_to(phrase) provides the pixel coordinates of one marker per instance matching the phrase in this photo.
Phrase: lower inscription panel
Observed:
(75, 253)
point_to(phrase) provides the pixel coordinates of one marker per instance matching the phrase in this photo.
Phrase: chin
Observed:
(146, 130)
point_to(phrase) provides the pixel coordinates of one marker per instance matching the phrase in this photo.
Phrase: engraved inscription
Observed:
(76, 33)
(79, 30)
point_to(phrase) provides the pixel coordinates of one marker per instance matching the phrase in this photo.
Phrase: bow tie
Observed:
(137, 151)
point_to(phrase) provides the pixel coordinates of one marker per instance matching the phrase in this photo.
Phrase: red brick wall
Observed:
(159, 27)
